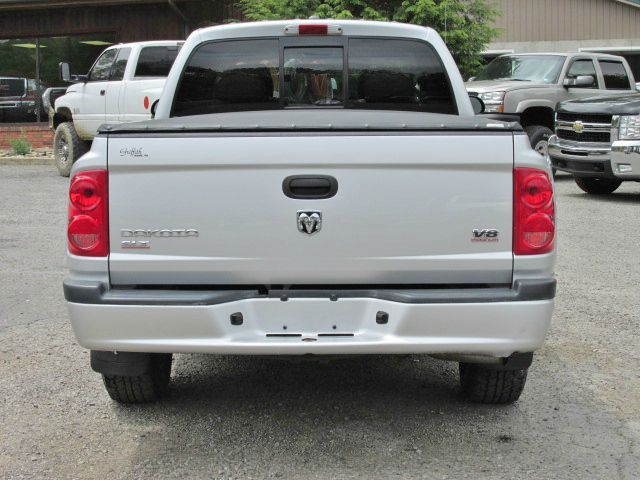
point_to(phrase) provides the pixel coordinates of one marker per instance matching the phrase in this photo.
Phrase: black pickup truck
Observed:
(598, 140)
(19, 99)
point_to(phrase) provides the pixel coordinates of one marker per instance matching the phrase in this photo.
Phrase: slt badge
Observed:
(309, 221)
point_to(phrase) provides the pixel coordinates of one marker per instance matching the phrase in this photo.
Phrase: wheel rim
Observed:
(541, 147)
(63, 150)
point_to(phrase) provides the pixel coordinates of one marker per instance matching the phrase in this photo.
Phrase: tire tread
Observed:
(145, 388)
(485, 385)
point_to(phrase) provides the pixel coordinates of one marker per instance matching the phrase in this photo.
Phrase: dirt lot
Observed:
(579, 416)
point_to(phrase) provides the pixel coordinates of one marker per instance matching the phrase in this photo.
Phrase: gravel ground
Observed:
(372, 417)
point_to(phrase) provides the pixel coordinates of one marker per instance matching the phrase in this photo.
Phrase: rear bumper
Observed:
(487, 321)
(619, 160)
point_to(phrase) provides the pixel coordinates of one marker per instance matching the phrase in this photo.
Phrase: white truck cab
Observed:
(121, 86)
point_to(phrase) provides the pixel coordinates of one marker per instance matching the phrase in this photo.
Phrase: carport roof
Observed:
(22, 4)
(25, 4)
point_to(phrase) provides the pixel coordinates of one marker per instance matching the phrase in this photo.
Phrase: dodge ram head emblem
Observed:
(309, 221)
(578, 126)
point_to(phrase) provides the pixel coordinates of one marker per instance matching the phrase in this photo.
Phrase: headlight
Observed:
(629, 127)
(493, 101)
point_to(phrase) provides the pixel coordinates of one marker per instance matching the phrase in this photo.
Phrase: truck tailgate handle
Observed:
(310, 187)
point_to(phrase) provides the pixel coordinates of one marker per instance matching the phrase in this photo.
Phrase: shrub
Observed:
(20, 145)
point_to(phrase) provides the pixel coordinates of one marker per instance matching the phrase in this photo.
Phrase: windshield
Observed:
(530, 68)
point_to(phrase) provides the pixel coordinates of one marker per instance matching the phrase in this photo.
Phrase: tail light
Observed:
(87, 233)
(534, 226)
(313, 29)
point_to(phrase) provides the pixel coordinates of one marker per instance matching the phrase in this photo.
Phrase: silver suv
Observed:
(529, 86)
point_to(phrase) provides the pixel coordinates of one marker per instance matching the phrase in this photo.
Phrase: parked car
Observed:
(19, 99)
(290, 200)
(598, 141)
(528, 87)
(121, 86)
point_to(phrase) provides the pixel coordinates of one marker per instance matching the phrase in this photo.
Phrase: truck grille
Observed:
(583, 117)
(588, 128)
(584, 136)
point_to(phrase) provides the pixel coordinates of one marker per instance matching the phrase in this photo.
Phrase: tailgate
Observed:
(415, 208)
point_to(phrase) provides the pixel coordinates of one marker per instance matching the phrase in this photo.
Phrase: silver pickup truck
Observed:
(312, 188)
(529, 86)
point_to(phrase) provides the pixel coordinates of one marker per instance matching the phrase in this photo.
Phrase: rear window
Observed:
(156, 61)
(615, 75)
(398, 75)
(313, 76)
(247, 75)
(230, 76)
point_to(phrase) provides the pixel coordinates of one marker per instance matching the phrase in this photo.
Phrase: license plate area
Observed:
(311, 320)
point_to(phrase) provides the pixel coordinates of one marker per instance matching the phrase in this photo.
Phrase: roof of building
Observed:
(24, 4)
(635, 3)
(60, 3)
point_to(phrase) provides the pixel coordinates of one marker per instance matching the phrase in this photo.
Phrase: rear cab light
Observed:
(534, 224)
(313, 29)
(87, 231)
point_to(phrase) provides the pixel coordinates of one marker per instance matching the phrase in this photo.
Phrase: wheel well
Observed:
(61, 116)
(537, 116)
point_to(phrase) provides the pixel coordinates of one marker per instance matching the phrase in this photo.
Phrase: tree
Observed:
(465, 25)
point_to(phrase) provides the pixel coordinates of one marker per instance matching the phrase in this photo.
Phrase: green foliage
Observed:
(466, 25)
(466, 28)
(20, 145)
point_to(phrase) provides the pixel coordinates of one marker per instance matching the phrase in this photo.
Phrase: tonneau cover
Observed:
(315, 120)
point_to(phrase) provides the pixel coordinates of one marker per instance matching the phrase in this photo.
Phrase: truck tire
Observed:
(539, 139)
(482, 384)
(67, 147)
(597, 186)
(144, 388)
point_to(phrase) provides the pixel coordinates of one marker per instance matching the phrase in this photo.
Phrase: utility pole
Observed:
(38, 106)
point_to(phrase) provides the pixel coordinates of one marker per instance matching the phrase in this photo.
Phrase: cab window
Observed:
(313, 76)
(156, 61)
(119, 66)
(247, 75)
(583, 67)
(615, 75)
(102, 68)
(236, 75)
(398, 75)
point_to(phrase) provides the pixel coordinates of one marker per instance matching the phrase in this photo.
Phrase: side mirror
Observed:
(154, 107)
(477, 104)
(581, 81)
(471, 79)
(64, 72)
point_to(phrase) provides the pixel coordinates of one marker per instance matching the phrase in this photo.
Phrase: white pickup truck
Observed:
(312, 188)
(121, 86)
